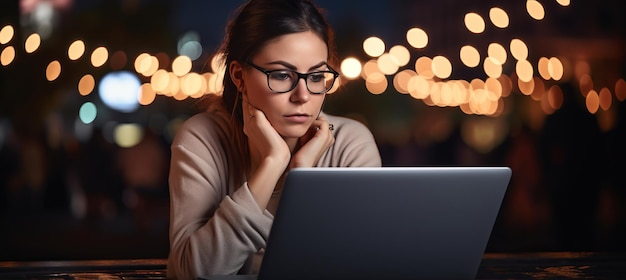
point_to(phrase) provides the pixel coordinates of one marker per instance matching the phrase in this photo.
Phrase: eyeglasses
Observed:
(281, 81)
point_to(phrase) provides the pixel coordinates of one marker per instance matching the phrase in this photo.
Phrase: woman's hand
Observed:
(269, 153)
(263, 140)
(313, 144)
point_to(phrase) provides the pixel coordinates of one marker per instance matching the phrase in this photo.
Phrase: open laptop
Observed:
(382, 223)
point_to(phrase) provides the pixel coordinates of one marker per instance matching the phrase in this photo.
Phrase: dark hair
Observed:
(259, 21)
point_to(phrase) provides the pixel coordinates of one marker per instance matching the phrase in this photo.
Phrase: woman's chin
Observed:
(293, 132)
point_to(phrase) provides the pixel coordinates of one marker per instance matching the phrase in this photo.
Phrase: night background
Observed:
(84, 161)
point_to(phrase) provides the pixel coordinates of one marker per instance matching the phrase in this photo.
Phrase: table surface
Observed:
(550, 265)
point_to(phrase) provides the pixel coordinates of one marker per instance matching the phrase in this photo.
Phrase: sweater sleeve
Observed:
(211, 231)
(354, 146)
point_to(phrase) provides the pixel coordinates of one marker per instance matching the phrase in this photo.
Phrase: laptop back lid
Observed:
(384, 223)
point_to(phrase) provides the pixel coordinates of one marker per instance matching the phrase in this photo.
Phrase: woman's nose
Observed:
(300, 93)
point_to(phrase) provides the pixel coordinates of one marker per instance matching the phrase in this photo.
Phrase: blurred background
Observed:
(92, 92)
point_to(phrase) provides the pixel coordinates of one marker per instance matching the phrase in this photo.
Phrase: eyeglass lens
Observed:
(316, 82)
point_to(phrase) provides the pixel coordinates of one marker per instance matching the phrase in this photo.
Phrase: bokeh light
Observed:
(87, 112)
(181, 65)
(128, 135)
(417, 38)
(32, 43)
(519, 50)
(374, 46)
(118, 90)
(442, 67)
(6, 34)
(499, 17)
(535, 9)
(86, 85)
(474, 23)
(7, 56)
(470, 56)
(99, 56)
(351, 68)
(53, 71)
(76, 50)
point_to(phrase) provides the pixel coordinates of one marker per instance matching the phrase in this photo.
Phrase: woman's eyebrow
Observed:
(292, 67)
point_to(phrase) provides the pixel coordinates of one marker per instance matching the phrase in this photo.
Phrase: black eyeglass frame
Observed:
(300, 76)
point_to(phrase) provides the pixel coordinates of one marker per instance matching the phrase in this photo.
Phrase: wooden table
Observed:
(561, 265)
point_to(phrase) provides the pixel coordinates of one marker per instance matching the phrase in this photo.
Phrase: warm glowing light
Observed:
(507, 85)
(519, 50)
(492, 67)
(146, 64)
(99, 56)
(53, 70)
(494, 88)
(192, 84)
(542, 68)
(351, 68)
(474, 23)
(483, 134)
(76, 50)
(592, 101)
(128, 135)
(387, 65)
(620, 90)
(526, 87)
(470, 56)
(605, 98)
(418, 87)
(173, 87)
(217, 62)
(6, 34)
(86, 85)
(555, 97)
(181, 65)
(563, 3)
(32, 43)
(374, 46)
(376, 83)
(146, 95)
(535, 9)
(142, 62)
(497, 52)
(401, 80)
(539, 89)
(400, 55)
(370, 67)
(499, 17)
(417, 38)
(586, 84)
(442, 68)
(160, 80)
(423, 66)
(524, 70)
(555, 68)
(7, 56)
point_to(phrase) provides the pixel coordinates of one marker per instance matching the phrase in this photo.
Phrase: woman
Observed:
(228, 163)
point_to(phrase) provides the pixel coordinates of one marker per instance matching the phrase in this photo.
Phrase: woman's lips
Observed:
(298, 118)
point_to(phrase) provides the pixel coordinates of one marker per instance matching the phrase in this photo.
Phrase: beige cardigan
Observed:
(215, 225)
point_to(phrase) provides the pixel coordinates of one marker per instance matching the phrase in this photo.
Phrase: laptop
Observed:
(382, 223)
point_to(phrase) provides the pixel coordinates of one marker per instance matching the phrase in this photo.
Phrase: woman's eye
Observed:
(282, 75)
(316, 77)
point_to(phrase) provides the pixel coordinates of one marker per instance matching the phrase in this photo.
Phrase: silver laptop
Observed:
(383, 223)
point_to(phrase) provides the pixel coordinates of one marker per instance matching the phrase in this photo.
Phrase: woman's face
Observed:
(290, 113)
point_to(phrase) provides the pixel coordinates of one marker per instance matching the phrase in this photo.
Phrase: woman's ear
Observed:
(236, 75)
